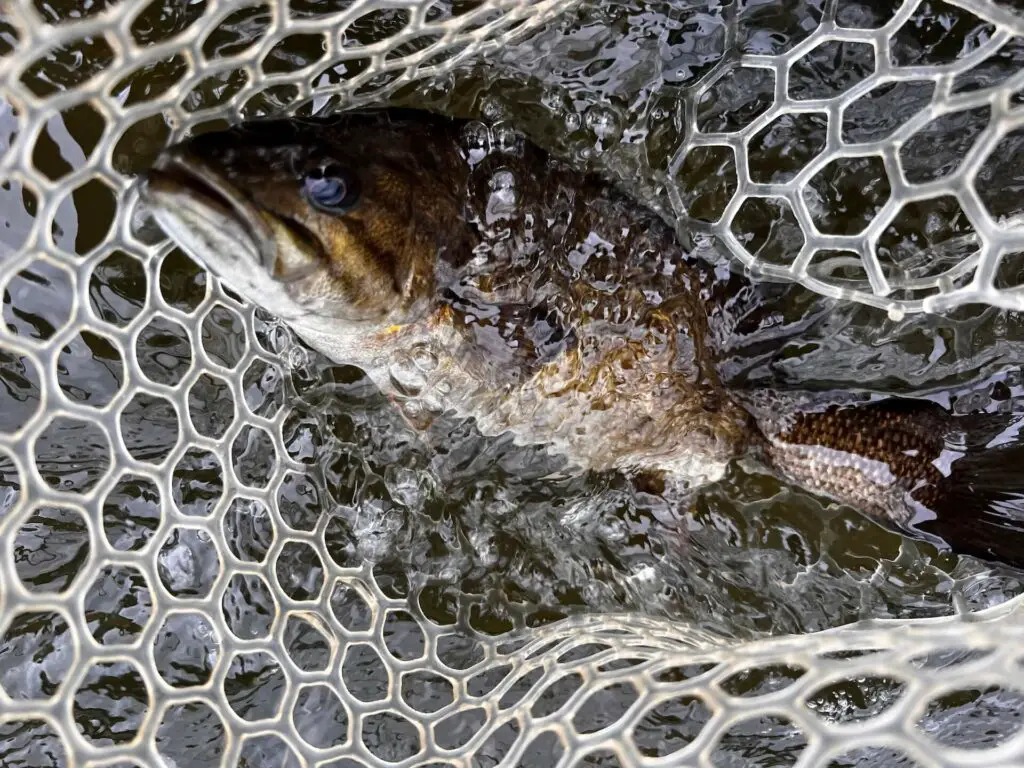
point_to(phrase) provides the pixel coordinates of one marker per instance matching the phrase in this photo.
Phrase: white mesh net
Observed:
(170, 591)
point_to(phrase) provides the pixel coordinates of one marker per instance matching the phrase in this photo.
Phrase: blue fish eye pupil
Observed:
(329, 189)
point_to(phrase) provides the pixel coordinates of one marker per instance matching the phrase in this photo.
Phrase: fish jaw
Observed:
(208, 215)
(217, 226)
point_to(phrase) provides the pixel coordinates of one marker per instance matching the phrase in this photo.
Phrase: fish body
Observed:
(467, 271)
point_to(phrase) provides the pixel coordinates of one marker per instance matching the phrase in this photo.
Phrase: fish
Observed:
(467, 271)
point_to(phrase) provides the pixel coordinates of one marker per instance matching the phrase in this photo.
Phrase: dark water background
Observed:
(469, 529)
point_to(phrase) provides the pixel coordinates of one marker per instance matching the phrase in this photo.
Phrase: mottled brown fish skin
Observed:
(539, 300)
(877, 456)
(558, 309)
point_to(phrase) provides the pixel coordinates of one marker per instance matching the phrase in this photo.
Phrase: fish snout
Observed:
(216, 222)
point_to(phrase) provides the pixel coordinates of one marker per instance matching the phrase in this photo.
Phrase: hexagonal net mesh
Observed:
(160, 600)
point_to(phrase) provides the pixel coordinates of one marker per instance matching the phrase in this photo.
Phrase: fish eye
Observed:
(331, 189)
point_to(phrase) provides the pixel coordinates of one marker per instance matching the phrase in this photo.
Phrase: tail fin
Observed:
(909, 463)
(980, 509)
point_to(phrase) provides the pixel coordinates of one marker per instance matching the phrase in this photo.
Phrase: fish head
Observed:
(338, 227)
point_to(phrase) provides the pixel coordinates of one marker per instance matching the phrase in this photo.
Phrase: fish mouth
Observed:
(185, 193)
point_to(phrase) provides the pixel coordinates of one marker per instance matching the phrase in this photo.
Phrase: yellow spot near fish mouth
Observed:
(442, 317)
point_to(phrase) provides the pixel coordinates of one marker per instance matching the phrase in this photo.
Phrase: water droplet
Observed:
(403, 485)
(492, 109)
(297, 358)
(557, 101)
(502, 202)
(507, 139)
(502, 180)
(407, 377)
(439, 87)
(476, 140)
(424, 358)
(604, 123)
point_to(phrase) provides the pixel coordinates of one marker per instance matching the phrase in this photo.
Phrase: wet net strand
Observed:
(302, 673)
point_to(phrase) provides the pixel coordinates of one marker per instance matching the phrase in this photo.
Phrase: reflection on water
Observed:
(468, 528)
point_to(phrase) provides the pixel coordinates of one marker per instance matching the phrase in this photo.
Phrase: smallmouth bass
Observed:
(465, 270)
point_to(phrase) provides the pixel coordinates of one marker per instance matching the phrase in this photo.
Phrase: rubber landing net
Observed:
(116, 649)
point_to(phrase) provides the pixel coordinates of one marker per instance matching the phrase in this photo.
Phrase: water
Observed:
(471, 530)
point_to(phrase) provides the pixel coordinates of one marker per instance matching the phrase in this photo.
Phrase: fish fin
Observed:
(980, 509)
(979, 429)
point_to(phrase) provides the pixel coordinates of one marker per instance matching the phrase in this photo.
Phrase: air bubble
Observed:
(506, 139)
(604, 123)
(476, 140)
